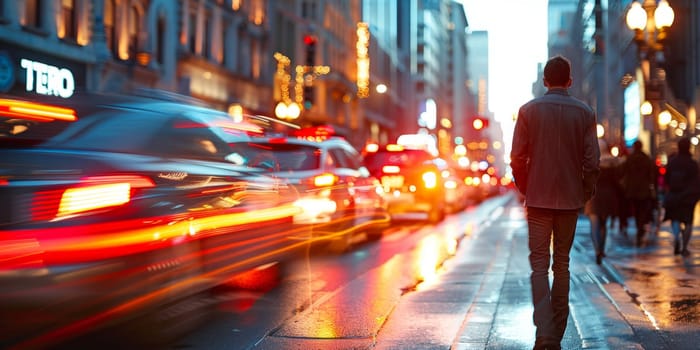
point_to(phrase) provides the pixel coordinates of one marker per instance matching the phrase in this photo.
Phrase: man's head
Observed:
(557, 72)
(637, 146)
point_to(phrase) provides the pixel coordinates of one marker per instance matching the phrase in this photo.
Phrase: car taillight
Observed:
(77, 200)
(92, 193)
(391, 169)
(429, 179)
(324, 180)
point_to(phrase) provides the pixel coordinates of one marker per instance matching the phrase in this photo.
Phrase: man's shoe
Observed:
(676, 247)
(685, 252)
(546, 343)
(599, 259)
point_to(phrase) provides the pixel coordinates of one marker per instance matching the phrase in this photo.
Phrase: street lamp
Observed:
(287, 110)
(649, 22)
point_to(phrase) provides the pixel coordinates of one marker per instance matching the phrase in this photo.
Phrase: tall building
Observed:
(478, 69)
(389, 65)
(561, 24)
(428, 39)
(478, 140)
(453, 124)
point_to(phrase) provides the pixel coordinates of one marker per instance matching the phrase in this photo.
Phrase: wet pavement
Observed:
(638, 298)
(664, 286)
(479, 297)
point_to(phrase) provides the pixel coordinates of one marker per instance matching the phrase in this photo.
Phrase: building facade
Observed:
(212, 50)
(236, 54)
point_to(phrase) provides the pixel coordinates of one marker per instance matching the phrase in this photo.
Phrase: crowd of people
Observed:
(634, 188)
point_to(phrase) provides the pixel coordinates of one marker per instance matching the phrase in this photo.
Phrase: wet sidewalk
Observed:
(664, 288)
(483, 300)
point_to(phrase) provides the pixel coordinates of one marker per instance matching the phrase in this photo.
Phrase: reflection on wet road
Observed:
(666, 286)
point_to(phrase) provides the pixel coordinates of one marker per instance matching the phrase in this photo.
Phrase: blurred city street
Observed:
(324, 174)
(639, 298)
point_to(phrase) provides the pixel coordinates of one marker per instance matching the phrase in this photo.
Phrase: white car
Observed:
(340, 201)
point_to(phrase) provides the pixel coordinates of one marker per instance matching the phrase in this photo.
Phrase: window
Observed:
(160, 45)
(133, 30)
(110, 30)
(257, 12)
(188, 138)
(67, 26)
(308, 9)
(256, 59)
(192, 31)
(344, 158)
(32, 14)
(208, 33)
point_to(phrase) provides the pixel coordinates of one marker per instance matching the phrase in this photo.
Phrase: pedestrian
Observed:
(605, 202)
(555, 160)
(681, 194)
(638, 179)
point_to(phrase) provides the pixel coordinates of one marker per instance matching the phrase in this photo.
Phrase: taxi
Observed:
(411, 179)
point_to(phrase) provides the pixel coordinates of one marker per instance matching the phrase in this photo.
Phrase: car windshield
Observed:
(374, 161)
(277, 156)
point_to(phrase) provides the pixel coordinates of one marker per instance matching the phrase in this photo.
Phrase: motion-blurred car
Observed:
(339, 198)
(411, 179)
(456, 190)
(482, 184)
(112, 205)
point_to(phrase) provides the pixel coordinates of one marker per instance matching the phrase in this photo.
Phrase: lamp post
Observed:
(649, 21)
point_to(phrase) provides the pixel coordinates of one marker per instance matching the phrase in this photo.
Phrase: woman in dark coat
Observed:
(681, 181)
(605, 202)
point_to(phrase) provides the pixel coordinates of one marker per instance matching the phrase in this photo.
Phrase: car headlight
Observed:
(429, 179)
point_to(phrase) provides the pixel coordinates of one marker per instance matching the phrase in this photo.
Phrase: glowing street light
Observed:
(649, 22)
(287, 111)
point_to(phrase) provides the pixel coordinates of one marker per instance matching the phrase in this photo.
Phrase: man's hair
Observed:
(557, 71)
(637, 145)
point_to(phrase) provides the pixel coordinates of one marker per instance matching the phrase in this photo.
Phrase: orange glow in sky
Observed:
(517, 43)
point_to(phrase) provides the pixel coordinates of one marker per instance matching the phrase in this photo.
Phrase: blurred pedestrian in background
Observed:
(605, 202)
(622, 214)
(555, 160)
(638, 180)
(681, 195)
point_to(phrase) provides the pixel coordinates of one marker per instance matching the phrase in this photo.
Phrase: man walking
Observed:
(555, 161)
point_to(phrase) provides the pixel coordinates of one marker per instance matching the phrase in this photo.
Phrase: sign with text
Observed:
(46, 79)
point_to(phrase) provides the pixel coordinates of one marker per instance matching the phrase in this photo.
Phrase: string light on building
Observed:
(285, 109)
(362, 47)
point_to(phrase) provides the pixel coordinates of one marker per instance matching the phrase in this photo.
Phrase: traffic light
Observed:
(310, 48)
(479, 123)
